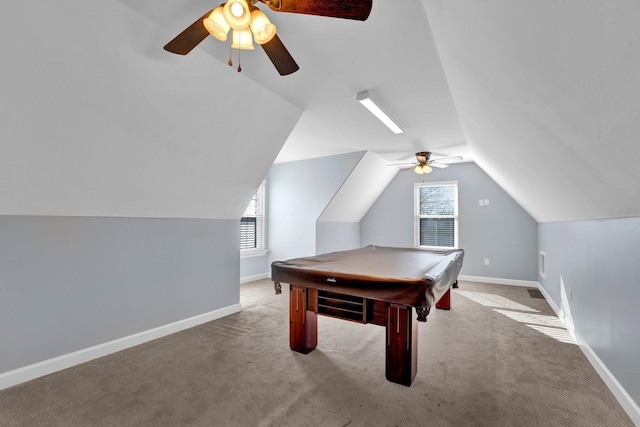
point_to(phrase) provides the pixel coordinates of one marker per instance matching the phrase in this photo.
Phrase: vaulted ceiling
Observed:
(97, 119)
(548, 95)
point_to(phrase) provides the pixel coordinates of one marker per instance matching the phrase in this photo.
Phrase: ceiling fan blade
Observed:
(438, 165)
(448, 158)
(191, 37)
(403, 164)
(280, 56)
(346, 9)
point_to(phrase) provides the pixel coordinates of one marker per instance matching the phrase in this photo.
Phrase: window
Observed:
(252, 225)
(436, 215)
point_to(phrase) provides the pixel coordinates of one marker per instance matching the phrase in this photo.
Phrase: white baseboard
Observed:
(621, 395)
(254, 278)
(549, 300)
(627, 403)
(36, 370)
(498, 281)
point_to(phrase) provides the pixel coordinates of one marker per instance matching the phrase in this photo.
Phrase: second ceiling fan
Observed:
(424, 164)
(248, 23)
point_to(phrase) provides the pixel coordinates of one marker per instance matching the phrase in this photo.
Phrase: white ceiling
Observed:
(544, 96)
(105, 123)
(392, 54)
(548, 94)
(360, 190)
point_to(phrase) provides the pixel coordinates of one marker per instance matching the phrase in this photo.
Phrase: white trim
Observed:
(250, 253)
(254, 278)
(621, 395)
(417, 216)
(39, 369)
(550, 300)
(497, 281)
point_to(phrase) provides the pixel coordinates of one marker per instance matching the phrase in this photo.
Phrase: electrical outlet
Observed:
(481, 202)
(486, 202)
(486, 261)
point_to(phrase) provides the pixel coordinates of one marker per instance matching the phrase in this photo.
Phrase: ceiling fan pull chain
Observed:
(239, 67)
(230, 51)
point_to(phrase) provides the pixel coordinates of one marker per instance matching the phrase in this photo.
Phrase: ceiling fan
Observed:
(245, 20)
(424, 164)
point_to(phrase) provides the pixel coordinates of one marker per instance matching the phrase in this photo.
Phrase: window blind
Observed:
(252, 222)
(437, 232)
(436, 215)
(248, 233)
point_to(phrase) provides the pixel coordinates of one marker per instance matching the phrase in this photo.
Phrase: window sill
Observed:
(252, 253)
(437, 248)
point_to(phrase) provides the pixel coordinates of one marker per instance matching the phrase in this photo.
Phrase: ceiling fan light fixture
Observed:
(242, 39)
(366, 99)
(236, 9)
(263, 30)
(237, 14)
(216, 24)
(422, 169)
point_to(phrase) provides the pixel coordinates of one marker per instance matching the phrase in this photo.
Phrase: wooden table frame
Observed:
(305, 304)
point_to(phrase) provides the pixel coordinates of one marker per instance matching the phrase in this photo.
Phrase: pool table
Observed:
(373, 284)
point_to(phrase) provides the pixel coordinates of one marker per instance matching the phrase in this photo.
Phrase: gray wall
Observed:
(68, 283)
(501, 231)
(337, 236)
(253, 266)
(598, 262)
(298, 192)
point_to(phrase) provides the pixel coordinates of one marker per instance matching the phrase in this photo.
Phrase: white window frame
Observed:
(259, 215)
(417, 216)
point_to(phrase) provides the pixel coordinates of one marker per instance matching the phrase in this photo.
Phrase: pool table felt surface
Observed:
(407, 276)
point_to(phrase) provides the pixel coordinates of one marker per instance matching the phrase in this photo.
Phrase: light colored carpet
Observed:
(476, 367)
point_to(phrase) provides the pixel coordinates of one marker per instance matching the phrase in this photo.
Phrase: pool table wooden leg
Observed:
(303, 319)
(402, 344)
(445, 301)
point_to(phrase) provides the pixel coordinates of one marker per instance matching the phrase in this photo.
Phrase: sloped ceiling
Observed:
(360, 190)
(391, 54)
(548, 95)
(98, 120)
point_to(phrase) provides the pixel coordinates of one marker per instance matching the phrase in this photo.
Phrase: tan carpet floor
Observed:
(490, 361)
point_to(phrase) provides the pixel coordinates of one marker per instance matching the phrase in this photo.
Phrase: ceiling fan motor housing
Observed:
(423, 156)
